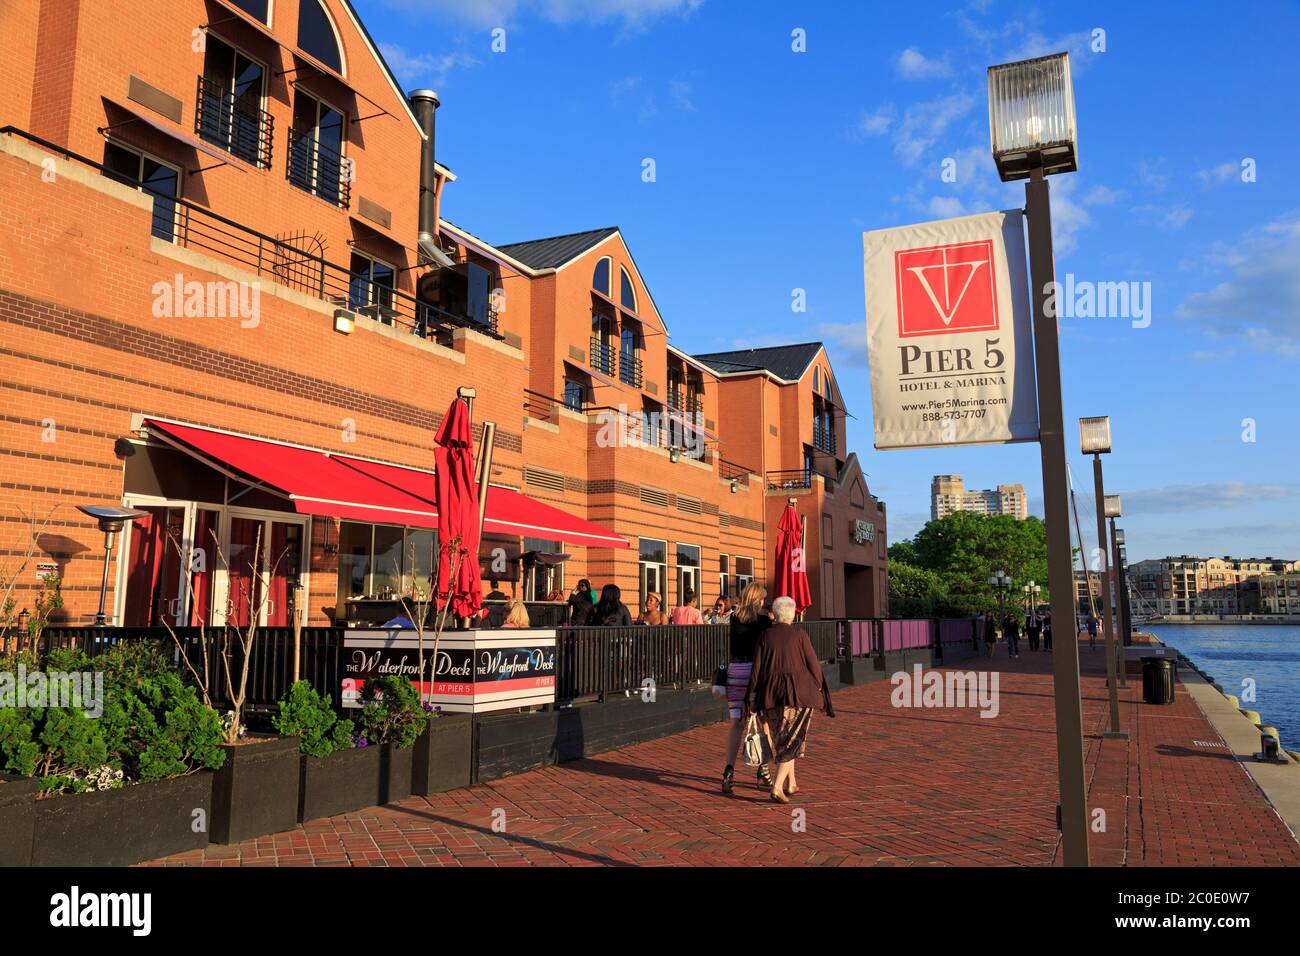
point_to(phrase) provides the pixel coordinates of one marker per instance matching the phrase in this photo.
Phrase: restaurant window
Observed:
(626, 291)
(230, 103)
(600, 276)
(160, 180)
(316, 161)
(316, 35)
(724, 578)
(653, 560)
(744, 573)
(382, 562)
(371, 288)
(688, 571)
(543, 581)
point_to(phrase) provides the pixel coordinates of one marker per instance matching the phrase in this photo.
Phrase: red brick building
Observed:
(228, 298)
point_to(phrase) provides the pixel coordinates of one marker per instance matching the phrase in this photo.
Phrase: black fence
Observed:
(591, 662)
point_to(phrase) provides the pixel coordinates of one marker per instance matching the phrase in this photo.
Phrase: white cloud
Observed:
(1220, 173)
(846, 341)
(1167, 217)
(424, 69)
(912, 64)
(1069, 217)
(879, 122)
(1259, 301)
(1103, 196)
(1178, 499)
(924, 122)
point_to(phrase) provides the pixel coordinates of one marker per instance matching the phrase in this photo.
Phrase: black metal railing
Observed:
(319, 169)
(602, 355)
(789, 479)
(730, 471)
(193, 227)
(269, 676)
(629, 369)
(239, 129)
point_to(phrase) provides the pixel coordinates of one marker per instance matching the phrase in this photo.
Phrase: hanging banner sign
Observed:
(948, 333)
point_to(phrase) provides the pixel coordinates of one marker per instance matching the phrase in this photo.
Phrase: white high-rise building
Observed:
(948, 494)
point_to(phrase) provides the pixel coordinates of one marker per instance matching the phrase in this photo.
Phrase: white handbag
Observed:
(755, 743)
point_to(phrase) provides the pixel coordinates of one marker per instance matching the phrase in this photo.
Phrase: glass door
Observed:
(156, 542)
(264, 560)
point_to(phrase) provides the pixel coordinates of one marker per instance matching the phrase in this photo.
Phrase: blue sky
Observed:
(770, 163)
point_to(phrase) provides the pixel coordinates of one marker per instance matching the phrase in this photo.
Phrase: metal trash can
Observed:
(1158, 680)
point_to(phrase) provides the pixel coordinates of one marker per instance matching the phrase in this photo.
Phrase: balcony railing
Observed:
(212, 234)
(789, 480)
(602, 355)
(629, 370)
(242, 131)
(319, 169)
(730, 471)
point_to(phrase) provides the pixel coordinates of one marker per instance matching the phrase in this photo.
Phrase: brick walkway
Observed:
(880, 787)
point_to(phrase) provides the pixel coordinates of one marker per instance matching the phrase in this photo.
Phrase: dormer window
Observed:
(600, 277)
(627, 292)
(316, 36)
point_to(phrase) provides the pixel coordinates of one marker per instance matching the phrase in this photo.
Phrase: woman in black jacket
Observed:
(610, 611)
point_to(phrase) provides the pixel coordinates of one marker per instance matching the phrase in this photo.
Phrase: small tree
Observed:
(229, 637)
(11, 573)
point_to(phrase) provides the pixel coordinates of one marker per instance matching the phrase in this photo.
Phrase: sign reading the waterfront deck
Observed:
(948, 333)
(473, 672)
(863, 531)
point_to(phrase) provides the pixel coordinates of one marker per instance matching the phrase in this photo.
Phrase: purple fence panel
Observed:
(906, 635)
(860, 637)
(955, 630)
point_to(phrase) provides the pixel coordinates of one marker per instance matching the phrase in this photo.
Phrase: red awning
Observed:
(324, 483)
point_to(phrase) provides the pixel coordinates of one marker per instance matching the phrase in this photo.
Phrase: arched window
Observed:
(627, 293)
(258, 9)
(316, 35)
(817, 383)
(600, 277)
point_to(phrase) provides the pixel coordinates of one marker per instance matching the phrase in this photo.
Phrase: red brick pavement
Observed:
(881, 786)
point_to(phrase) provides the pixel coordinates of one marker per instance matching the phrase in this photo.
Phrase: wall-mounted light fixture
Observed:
(674, 454)
(344, 321)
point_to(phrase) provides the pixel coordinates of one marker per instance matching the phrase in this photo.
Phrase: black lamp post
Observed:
(1113, 509)
(1094, 438)
(1002, 584)
(111, 520)
(1033, 135)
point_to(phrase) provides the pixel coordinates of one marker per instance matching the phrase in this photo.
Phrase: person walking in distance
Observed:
(1011, 631)
(1033, 628)
(990, 633)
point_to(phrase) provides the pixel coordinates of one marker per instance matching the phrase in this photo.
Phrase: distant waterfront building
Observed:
(1185, 584)
(948, 494)
(1280, 593)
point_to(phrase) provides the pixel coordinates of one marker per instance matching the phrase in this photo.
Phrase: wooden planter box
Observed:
(119, 827)
(352, 779)
(442, 758)
(256, 791)
(17, 819)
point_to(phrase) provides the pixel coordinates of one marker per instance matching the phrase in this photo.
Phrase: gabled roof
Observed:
(557, 250)
(787, 362)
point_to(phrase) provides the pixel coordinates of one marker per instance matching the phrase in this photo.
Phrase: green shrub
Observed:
(393, 712)
(152, 725)
(310, 716)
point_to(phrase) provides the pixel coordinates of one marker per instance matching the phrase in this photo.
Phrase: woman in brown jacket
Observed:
(785, 685)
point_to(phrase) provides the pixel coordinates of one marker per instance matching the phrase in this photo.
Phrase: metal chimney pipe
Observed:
(424, 103)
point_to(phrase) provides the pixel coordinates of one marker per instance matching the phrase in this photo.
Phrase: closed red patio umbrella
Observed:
(791, 572)
(458, 513)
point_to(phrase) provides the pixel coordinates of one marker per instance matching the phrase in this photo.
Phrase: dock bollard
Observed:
(1232, 700)
(1270, 747)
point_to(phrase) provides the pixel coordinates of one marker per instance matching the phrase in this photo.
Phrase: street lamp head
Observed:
(1119, 535)
(1031, 117)
(1111, 507)
(111, 520)
(1094, 435)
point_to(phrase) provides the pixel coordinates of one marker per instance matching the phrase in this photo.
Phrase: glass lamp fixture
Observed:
(1123, 557)
(1111, 507)
(1094, 435)
(1119, 535)
(1031, 117)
